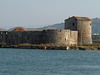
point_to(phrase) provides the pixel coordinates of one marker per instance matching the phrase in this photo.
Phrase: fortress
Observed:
(77, 31)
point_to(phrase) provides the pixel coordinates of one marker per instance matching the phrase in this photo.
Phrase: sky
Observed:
(39, 13)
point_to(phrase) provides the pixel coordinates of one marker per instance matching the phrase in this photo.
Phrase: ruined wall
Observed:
(59, 37)
(56, 36)
(18, 37)
(84, 32)
(38, 37)
(3, 36)
(74, 37)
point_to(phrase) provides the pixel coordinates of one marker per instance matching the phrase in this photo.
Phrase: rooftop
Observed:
(19, 29)
(82, 18)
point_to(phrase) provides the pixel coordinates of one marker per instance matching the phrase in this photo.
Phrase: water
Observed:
(49, 62)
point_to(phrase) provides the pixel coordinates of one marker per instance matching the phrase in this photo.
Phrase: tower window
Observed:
(73, 24)
(90, 24)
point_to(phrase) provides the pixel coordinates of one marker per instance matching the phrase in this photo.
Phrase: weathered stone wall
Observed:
(38, 37)
(74, 37)
(83, 28)
(84, 32)
(18, 37)
(56, 36)
(3, 36)
(60, 37)
(71, 23)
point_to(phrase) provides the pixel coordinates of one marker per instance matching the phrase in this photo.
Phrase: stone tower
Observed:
(83, 26)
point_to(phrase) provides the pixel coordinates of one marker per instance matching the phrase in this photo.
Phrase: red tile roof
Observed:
(82, 18)
(19, 29)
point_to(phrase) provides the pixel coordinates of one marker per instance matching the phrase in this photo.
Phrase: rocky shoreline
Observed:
(55, 47)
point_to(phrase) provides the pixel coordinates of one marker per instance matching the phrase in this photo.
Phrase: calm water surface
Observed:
(49, 62)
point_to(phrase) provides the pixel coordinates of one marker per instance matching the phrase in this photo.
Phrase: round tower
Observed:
(83, 26)
(51, 36)
(84, 31)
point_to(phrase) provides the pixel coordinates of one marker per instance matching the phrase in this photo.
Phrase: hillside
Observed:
(95, 26)
(1, 29)
(55, 26)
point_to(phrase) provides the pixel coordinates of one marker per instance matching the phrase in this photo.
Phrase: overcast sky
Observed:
(39, 13)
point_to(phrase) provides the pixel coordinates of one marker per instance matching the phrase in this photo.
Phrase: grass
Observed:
(48, 45)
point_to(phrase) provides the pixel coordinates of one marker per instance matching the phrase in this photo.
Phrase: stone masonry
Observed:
(77, 31)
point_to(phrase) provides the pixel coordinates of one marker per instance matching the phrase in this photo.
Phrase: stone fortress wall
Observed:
(77, 30)
(84, 30)
(83, 26)
(38, 37)
(60, 37)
